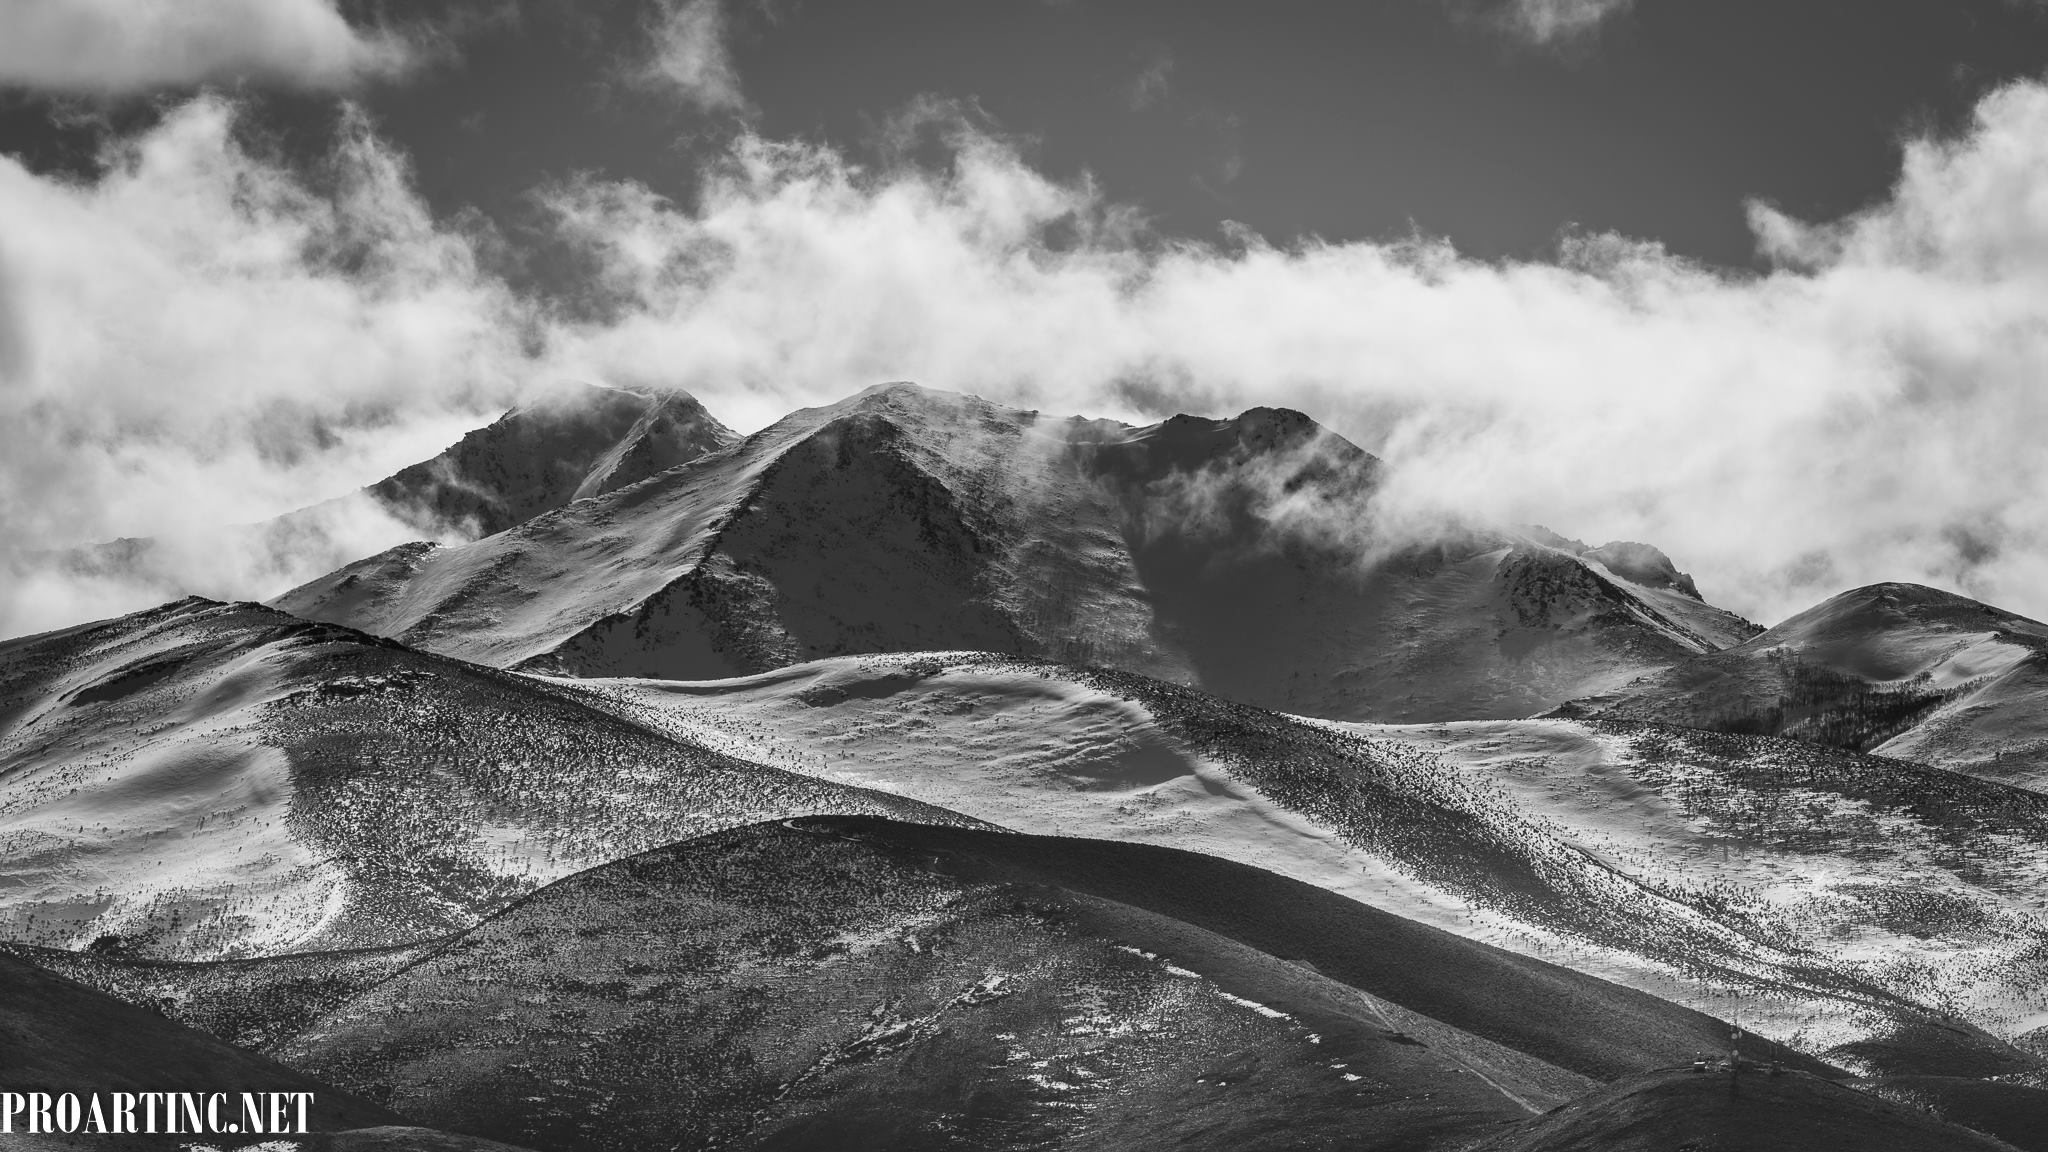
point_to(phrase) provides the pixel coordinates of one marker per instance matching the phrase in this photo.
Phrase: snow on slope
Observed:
(1898, 669)
(1237, 554)
(1930, 883)
(207, 780)
(1397, 818)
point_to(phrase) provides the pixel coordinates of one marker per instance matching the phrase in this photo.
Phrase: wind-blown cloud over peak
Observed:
(199, 326)
(200, 337)
(126, 46)
(1866, 412)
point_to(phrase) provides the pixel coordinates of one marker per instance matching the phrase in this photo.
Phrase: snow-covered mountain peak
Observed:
(1236, 553)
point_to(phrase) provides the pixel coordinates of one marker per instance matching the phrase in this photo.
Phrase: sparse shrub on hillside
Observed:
(1835, 710)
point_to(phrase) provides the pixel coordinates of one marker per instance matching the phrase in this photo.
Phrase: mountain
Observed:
(1240, 555)
(848, 983)
(567, 444)
(1896, 669)
(224, 780)
(923, 773)
(205, 780)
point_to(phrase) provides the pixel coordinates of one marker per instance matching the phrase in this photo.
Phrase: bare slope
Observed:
(207, 779)
(1898, 669)
(1240, 555)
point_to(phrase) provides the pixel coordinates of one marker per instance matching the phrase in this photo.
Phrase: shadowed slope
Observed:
(60, 1036)
(1752, 1112)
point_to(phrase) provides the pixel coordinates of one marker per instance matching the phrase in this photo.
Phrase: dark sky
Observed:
(1343, 120)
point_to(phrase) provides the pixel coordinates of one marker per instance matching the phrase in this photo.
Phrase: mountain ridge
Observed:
(908, 519)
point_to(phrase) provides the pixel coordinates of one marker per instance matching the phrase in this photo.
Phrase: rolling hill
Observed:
(850, 982)
(1825, 897)
(1897, 669)
(210, 779)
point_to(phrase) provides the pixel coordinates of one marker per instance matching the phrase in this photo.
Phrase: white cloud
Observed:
(198, 337)
(1154, 81)
(690, 56)
(121, 46)
(1556, 21)
(1869, 411)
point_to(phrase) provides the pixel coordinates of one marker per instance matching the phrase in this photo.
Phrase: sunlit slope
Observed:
(1930, 883)
(207, 779)
(1243, 555)
(1899, 669)
(1391, 817)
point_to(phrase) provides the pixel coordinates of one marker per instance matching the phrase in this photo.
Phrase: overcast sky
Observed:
(1760, 283)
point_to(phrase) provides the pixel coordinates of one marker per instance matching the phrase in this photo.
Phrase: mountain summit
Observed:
(568, 445)
(1243, 555)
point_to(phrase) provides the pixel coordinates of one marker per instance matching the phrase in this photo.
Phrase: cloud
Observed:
(125, 46)
(199, 337)
(1868, 410)
(1154, 81)
(689, 55)
(1553, 22)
